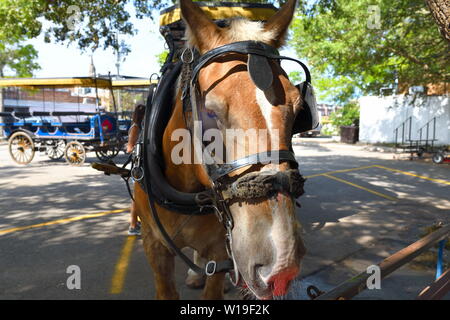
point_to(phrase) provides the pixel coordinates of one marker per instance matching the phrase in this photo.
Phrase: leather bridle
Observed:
(265, 184)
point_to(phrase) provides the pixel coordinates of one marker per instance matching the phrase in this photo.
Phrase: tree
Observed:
(440, 9)
(364, 45)
(18, 58)
(348, 115)
(90, 24)
(351, 52)
(17, 24)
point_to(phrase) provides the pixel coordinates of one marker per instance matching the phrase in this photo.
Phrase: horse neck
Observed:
(183, 177)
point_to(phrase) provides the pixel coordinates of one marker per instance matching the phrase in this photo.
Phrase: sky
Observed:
(63, 60)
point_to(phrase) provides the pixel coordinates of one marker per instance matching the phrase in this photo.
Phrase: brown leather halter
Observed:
(251, 185)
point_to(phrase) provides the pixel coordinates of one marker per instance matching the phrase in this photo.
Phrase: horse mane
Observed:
(239, 29)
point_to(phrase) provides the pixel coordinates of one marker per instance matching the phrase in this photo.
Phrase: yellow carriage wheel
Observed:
(21, 147)
(75, 154)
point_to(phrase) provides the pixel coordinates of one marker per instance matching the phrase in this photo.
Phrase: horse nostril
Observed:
(263, 271)
(257, 268)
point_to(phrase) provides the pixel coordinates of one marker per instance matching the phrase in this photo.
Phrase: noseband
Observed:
(251, 185)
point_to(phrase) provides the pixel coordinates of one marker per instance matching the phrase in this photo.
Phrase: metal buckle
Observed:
(210, 268)
(234, 274)
(183, 57)
(137, 173)
(237, 278)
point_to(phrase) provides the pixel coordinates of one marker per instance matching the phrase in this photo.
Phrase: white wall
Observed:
(381, 115)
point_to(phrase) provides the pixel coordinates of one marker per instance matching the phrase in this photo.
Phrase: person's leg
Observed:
(133, 136)
(135, 227)
(133, 218)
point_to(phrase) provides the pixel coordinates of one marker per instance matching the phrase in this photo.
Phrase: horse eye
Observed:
(210, 114)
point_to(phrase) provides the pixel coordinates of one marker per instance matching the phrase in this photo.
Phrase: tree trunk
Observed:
(440, 9)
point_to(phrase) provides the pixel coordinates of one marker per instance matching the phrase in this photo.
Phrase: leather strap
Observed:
(244, 47)
(217, 171)
(211, 267)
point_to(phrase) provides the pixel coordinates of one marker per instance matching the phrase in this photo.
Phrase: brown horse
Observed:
(267, 246)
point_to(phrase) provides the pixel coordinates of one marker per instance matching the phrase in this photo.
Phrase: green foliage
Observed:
(353, 54)
(18, 19)
(346, 116)
(17, 24)
(161, 57)
(19, 58)
(348, 57)
(89, 24)
(329, 129)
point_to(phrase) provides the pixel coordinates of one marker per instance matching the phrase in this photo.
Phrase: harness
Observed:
(225, 190)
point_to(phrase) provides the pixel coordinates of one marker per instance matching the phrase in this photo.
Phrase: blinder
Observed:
(308, 116)
(260, 71)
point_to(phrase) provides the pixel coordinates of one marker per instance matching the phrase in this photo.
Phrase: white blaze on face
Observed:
(266, 108)
(281, 233)
(274, 133)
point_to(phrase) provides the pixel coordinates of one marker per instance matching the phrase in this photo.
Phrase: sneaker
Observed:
(134, 232)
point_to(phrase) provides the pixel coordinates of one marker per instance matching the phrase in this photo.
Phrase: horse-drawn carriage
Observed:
(63, 117)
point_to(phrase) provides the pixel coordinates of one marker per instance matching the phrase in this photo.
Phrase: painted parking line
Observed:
(360, 187)
(413, 175)
(60, 221)
(121, 268)
(340, 171)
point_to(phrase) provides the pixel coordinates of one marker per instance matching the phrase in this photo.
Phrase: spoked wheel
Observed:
(107, 154)
(55, 149)
(438, 157)
(21, 148)
(75, 154)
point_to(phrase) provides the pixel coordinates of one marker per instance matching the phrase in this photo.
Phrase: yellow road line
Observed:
(339, 171)
(120, 271)
(414, 175)
(49, 223)
(360, 187)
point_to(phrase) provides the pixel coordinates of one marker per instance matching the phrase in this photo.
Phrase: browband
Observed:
(244, 47)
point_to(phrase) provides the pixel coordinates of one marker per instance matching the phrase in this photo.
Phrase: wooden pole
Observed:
(355, 285)
(438, 289)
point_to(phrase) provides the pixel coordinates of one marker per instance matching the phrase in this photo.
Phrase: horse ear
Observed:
(280, 21)
(202, 31)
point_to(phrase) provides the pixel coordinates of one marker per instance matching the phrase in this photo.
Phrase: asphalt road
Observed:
(365, 208)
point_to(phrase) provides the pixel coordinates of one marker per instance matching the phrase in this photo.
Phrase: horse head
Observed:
(258, 97)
